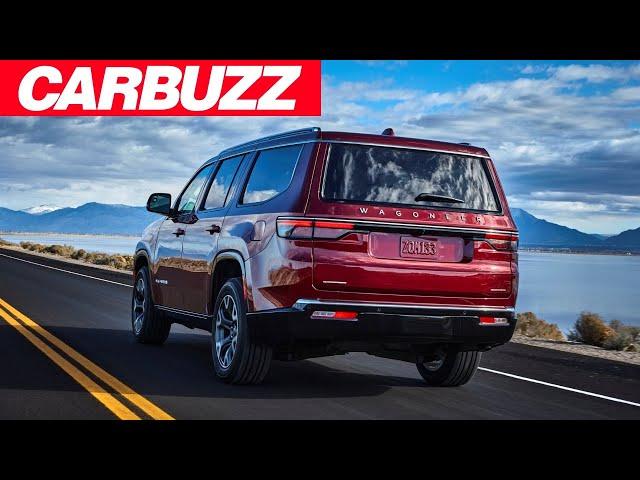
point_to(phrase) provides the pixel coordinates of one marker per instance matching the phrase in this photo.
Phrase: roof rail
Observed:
(277, 136)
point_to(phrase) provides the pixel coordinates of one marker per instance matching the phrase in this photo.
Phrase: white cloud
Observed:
(546, 135)
(386, 64)
(533, 69)
(595, 73)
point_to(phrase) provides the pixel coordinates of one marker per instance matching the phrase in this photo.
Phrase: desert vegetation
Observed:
(121, 262)
(3, 242)
(529, 325)
(591, 329)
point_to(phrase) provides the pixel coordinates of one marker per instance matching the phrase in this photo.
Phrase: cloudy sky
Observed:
(565, 136)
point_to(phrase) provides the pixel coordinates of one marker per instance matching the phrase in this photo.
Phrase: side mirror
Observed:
(160, 203)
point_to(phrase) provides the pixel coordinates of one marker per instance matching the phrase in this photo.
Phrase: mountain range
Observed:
(99, 218)
(536, 232)
(90, 218)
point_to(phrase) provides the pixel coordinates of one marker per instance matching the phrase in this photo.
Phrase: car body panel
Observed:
(278, 272)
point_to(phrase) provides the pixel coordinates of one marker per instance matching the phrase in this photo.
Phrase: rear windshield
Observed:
(368, 174)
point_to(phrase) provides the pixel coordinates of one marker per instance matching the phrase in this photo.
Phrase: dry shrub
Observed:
(62, 250)
(618, 341)
(79, 254)
(530, 325)
(591, 329)
(5, 243)
(620, 327)
(122, 262)
(624, 337)
(34, 247)
(97, 258)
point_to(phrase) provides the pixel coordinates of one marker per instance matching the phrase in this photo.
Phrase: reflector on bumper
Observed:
(335, 315)
(493, 321)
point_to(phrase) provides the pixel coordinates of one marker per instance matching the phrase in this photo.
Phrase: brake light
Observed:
(308, 229)
(339, 315)
(326, 224)
(507, 243)
(294, 228)
(331, 230)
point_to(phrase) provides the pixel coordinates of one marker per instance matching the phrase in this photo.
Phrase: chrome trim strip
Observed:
(407, 225)
(183, 312)
(403, 147)
(302, 302)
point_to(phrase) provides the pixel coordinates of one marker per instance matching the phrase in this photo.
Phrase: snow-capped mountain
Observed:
(40, 209)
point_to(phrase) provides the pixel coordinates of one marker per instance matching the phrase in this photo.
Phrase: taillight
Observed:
(288, 228)
(318, 229)
(331, 230)
(506, 243)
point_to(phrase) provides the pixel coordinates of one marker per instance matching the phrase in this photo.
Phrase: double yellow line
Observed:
(44, 341)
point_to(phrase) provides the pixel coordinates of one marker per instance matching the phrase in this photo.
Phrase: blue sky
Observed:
(565, 136)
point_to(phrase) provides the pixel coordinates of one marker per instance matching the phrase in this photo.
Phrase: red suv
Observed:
(311, 243)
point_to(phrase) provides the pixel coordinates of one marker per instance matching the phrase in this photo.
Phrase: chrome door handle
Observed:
(213, 229)
(179, 232)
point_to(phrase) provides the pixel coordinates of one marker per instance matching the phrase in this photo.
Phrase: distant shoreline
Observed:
(567, 251)
(579, 252)
(108, 235)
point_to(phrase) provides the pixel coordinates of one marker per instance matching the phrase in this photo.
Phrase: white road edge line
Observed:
(66, 271)
(547, 384)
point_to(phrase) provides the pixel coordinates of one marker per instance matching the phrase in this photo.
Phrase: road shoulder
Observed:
(75, 266)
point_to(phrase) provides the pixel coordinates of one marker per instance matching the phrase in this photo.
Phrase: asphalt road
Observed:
(90, 317)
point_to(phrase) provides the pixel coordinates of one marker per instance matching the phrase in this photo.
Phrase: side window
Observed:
(219, 188)
(190, 195)
(271, 173)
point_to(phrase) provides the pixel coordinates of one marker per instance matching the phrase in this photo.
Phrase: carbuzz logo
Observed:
(100, 87)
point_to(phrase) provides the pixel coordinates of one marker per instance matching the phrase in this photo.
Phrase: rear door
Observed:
(398, 221)
(200, 244)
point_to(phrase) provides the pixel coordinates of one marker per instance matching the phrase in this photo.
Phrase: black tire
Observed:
(249, 362)
(454, 368)
(147, 324)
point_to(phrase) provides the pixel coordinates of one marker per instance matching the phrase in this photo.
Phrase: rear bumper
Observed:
(383, 323)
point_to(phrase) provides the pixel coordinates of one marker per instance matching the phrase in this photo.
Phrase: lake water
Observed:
(555, 286)
(90, 243)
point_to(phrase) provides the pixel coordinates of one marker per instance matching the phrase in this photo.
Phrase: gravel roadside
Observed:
(579, 348)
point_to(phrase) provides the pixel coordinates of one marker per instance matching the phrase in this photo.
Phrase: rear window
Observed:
(383, 175)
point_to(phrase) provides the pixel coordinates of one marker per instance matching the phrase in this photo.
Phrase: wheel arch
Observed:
(142, 259)
(227, 264)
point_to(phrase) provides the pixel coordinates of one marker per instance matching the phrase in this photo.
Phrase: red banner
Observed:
(160, 87)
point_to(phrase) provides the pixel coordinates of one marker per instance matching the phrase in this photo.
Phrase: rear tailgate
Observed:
(371, 235)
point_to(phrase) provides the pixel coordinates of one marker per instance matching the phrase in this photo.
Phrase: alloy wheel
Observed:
(139, 305)
(226, 335)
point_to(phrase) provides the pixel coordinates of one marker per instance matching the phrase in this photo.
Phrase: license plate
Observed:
(411, 247)
(425, 248)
